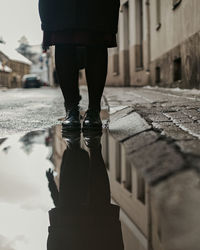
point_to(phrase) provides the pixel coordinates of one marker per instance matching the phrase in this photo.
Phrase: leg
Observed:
(67, 72)
(96, 73)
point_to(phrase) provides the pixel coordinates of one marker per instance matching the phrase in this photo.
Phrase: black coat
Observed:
(91, 15)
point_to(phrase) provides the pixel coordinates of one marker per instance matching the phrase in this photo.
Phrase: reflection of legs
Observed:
(100, 186)
(67, 71)
(96, 72)
(73, 189)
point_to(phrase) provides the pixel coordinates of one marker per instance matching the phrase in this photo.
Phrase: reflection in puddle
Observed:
(83, 217)
(24, 194)
(43, 172)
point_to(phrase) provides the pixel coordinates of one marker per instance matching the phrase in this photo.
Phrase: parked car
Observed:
(44, 83)
(31, 81)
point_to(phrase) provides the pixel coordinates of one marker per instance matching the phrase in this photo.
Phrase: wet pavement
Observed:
(25, 110)
(64, 175)
(147, 162)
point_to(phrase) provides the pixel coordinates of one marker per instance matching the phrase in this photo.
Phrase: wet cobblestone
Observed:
(174, 117)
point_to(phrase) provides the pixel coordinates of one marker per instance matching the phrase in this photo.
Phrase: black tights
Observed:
(68, 73)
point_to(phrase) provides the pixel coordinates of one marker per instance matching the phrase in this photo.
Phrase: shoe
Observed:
(72, 138)
(92, 140)
(92, 120)
(72, 120)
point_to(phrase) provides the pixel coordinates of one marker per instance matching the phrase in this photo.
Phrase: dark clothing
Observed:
(79, 38)
(89, 15)
(92, 24)
(84, 219)
(67, 67)
(85, 229)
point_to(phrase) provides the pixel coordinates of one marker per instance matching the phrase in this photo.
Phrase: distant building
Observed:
(43, 64)
(39, 62)
(18, 64)
(5, 75)
(158, 44)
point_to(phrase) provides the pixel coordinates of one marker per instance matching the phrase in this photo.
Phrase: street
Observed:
(152, 144)
(24, 110)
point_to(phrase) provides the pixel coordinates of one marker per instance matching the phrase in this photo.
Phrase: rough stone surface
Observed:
(176, 203)
(121, 113)
(190, 147)
(173, 116)
(157, 161)
(158, 117)
(191, 128)
(167, 158)
(170, 130)
(128, 126)
(139, 141)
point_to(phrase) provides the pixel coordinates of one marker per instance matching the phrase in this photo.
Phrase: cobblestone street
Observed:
(156, 133)
(169, 117)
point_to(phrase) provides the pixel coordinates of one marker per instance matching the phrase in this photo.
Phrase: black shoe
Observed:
(72, 138)
(92, 120)
(92, 139)
(72, 120)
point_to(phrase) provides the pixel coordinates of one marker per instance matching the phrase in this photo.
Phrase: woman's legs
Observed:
(68, 72)
(96, 73)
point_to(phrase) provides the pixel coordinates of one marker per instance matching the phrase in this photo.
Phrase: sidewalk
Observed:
(157, 133)
(165, 119)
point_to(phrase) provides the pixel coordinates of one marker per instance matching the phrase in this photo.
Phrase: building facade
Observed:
(18, 64)
(157, 44)
(19, 69)
(5, 75)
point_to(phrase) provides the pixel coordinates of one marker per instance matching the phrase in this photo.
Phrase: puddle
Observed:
(64, 191)
(46, 175)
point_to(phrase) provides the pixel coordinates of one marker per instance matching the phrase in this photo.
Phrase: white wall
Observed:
(176, 25)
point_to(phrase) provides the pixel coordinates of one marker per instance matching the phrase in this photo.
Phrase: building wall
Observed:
(175, 54)
(5, 78)
(19, 70)
(176, 25)
(158, 44)
(132, 53)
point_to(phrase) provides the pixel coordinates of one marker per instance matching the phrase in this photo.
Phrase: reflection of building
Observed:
(19, 65)
(134, 204)
(158, 44)
(130, 192)
(58, 148)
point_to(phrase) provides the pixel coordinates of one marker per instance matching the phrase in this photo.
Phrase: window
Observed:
(177, 69)
(176, 3)
(128, 179)
(116, 64)
(118, 162)
(139, 34)
(158, 15)
(157, 74)
(116, 58)
(141, 196)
